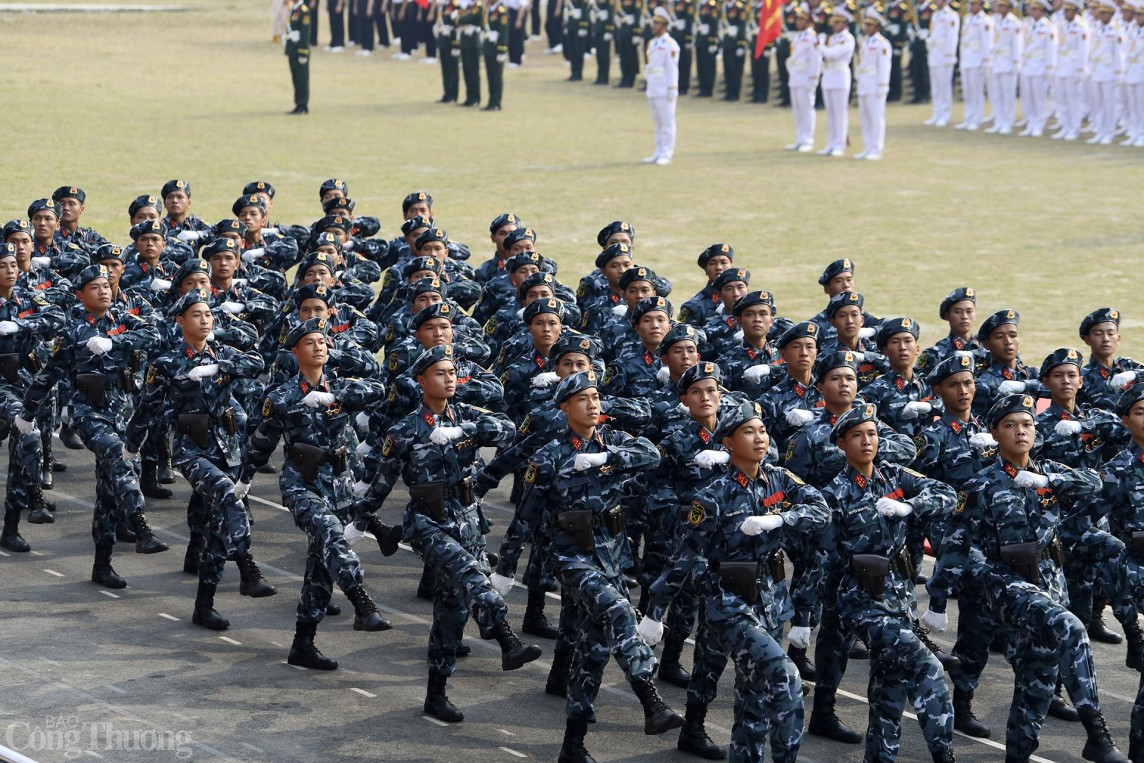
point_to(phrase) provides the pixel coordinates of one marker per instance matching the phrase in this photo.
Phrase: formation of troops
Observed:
(742, 476)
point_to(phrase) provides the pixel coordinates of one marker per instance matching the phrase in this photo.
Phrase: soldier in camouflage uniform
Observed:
(848, 320)
(574, 484)
(1003, 373)
(95, 350)
(1105, 375)
(751, 365)
(959, 309)
(1005, 532)
(864, 555)
(721, 327)
(193, 381)
(312, 412)
(714, 260)
(433, 451)
(634, 374)
(792, 402)
(734, 533)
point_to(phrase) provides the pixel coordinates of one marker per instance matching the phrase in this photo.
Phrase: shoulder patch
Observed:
(393, 362)
(491, 326)
(789, 451)
(151, 374)
(56, 343)
(387, 446)
(695, 516)
(919, 442)
(961, 500)
(267, 406)
(607, 377)
(794, 477)
(525, 424)
(530, 474)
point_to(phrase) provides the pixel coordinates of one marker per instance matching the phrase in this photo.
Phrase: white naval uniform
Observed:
(1134, 83)
(1107, 75)
(976, 42)
(662, 74)
(1072, 75)
(1006, 59)
(837, 52)
(803, 68)
(941, 49)
(1038, 62)
(873, 84)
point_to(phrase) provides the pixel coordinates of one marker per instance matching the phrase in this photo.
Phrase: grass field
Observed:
(120, 103)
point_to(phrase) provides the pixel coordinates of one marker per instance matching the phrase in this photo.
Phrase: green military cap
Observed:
(1062, 356)
(1008, 405)
(996, 321)
(892, 326)
(843, 299)
(573, 385)
(432, 357)
(312, 326)
(859, 414)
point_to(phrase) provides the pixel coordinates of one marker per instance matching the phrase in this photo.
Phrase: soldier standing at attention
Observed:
(662, 86)
(941, 56)
(736, 15)
(448, 50)
(707, 46)
(897, 28)
(874, 68)
(471, 21)
(803, 67)
(837, 52)
(298, 54)
(496, 52)
(683, 32)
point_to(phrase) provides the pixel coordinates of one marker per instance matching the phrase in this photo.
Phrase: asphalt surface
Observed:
(87, 673)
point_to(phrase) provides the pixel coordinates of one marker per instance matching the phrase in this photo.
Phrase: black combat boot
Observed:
(947, 660)
(572, 751)
(963, 718)
(693, 736)
(858, 651)
(557, 683)
(535, 623)
(101, 571)
(824, 722)
(387, 537)
(124, 533)
(366, 618)
(658, 717)
(425, 585)
(70, 438)
(1099, 747)
(145, 540)
(805, 667)
(252, 583)
(1135, 638)
(205, 614)
(165, 475)
(945, 756)
(40, 510)
(514, 654)
(47, 472)
(1060, 709)
(1096, 628)
(670, 670)
(149, 482)
(1136, 749)
(437, 704)
(303, 652)
(194, 550)
(10, 536)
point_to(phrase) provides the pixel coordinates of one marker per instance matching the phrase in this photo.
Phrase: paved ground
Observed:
(124, 676)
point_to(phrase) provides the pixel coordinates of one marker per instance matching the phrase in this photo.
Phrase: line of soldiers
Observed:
(684, 455)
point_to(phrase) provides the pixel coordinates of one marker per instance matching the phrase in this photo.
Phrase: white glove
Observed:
(651, 631)
(362, 420)
(620, 310)
(1066, 427)
(445, 435)
(704, 29)
(189, 236)
(160, 284)
(23, 426)
(42, 262)
(501, 583)
(1122, 379)
(799, 637)
(866, 332)
(858, 355)
(502, 57)
(352, 534)
(759, 525)
(201, 372)
(663, 375)
(234, 308)
(252, 255)
(757, 373)
(584, 461)
(272, 232)
(732, 30)
(316, 399)
(493, 35)
(1011, 387)
(241, 281)
(360, 489)
(935, 621)
(362, 449)
(8, 328)
(210, 336)
(983, 440)
(738, 335)
(1031, 479)
(546, 379)
(99, 344)
(709, 458)
(915, 409)
(519, 313)
(798, 417)
(241, 489)
(888, 507)
(294, 35)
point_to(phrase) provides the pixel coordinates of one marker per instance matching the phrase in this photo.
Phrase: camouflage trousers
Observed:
(1049, 640)
(116, 486)
(607, 626)
(976, 628)
(25, 454)
(807, 606)
(1131, 585)
(461, 586)
(225, 529)
(1094, 564)
(768, 690)
(329, 558)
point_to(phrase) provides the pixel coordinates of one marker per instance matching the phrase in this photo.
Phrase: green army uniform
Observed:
(897, 31)
(707, 46)
(496, 53)
(734, 44)
(449, 50)
(603, 18)
(298, 54)
(471, 20)
(761, 66)
(628, 38)
(683, 32)
(577, 27)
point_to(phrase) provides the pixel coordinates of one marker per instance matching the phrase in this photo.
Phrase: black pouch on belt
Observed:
(614, 520)
(577, 525)
(197, 426)
(777, 567)
(10, 367)
(337, 459)
(308, 458)
(429, 499)
(229, 423)
(94, 388)
(1138, 540)
(1022, 557)
(871, 570)
(742, 579)
(906, 564)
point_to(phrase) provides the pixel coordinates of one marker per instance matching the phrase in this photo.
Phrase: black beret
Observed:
(574, 384)
(247, 200)
(1103, 315)
(520, 234)
(415, 222)
(432, 234)
(956, 363)
(142, 202)
(432, 357)
(1061, 356)
(312, 326)
(995, 321)
(637, 273)
(704, 369)
(1010, 404)
(836, 268)
(190, 267)
(832, 360)
(107, 252)
(230, 225)
(328, 239)
(859, 414)
(220, 246)
(584, 344)
(7, 250)
(892, 326)
(17, 226)
(752, 298)
(520, 259)
(536, 279)
(438, 310)
(259, 186)
(416, 198)
(313, 291)
(650, 305)
(89, 274)
(611, 252)
(611, 229)
(804, 330)
(680, 332)
(426, 285)
(175, 185)
(1130, 396)
(341, 222)
(333, 184)
(69, 192)
(843, 299)
(338, 202)
(501, 220)
(716, 250)
(40, 205)
(421, 263)
(731, 275)
(192, 297)
(317, 258)
(147, 227)
(962, 294)
(540, 306)
(741, 410)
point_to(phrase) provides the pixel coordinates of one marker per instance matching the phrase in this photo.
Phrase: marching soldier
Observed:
(1105, 375)
(298, 54)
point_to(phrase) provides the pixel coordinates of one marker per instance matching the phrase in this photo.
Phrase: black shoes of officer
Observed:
(41, 510)
(303, 652)
(205, 614)
(824, 722)
(10, 536)
(437, 704)
(387, 537)
(145, 540)
(1097, 630)
(535, 623)
(1099, 747)
(367, 617)
(514, 654)
(425, 585)
(805, 667)
(251, 582)
(1136, 749)
(670, 669)
(947, 660)
(658, 717)
(470, 102)
(491, 107)
(194, 550)
(557, 683)
(298, 110)
(963, 718)
(101, 571)
(572, 751)
(693, 736)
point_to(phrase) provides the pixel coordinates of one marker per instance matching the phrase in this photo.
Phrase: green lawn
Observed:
(120, 103)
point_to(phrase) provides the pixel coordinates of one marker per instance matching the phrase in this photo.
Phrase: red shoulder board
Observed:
(860, 481)
(741, 479)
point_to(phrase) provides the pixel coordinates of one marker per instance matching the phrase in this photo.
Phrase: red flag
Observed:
(770, 25)
(422, 3)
